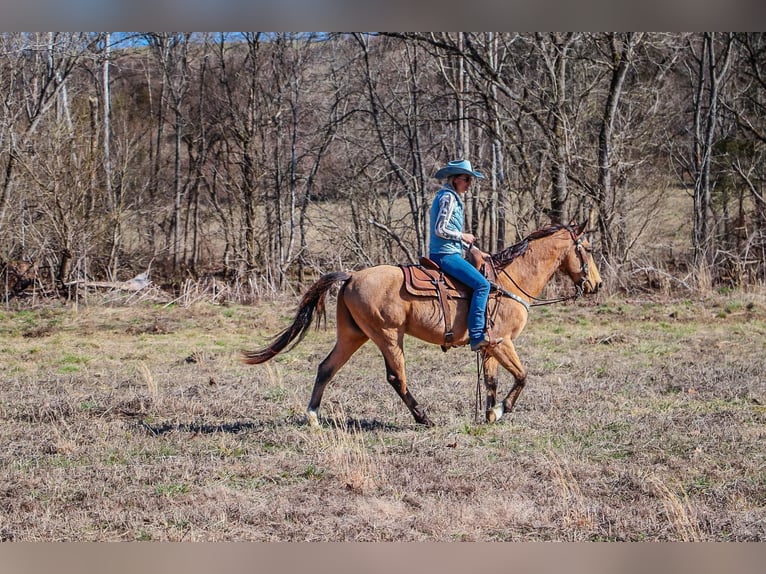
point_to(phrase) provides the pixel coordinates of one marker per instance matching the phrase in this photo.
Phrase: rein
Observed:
(479, 376)
(538, 302)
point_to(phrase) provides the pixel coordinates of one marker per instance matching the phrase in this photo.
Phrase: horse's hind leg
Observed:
(391, 345)
(397, 380)
(349, 339)
(327, 370)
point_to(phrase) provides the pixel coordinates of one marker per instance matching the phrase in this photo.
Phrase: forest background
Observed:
(252, 162)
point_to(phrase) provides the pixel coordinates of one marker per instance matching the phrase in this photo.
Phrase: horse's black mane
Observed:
(504, 257)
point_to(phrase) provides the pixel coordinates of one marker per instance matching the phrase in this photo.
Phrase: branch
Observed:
(395, 237)
(136, 284)
(746, 178)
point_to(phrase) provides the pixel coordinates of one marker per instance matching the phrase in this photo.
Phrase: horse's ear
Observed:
(577, 228)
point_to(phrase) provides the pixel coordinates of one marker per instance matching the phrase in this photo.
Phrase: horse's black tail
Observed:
(313, 302)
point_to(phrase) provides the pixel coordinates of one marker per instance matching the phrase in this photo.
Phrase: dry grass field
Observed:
(643, 420)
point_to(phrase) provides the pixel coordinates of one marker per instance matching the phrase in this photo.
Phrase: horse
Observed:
(374, 304)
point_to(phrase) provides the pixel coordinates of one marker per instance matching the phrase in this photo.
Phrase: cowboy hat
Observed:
(456, 167)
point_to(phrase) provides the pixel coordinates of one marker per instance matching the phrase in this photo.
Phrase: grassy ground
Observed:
(642, 420)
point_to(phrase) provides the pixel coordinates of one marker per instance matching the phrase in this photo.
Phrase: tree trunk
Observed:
(555, 52)
(705, 117)
(621, 57)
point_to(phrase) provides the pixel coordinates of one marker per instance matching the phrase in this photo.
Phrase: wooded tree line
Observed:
(271, 157)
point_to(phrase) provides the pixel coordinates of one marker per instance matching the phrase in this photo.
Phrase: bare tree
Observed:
(172, 53)
(621, 53)
(555, 48)
(399, 108)
(35, 69)
(238, 112)
(708, 71)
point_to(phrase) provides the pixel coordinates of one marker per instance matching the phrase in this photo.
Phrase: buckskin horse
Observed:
(380, 303)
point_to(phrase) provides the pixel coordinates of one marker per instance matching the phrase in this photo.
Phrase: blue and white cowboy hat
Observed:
(456, 167)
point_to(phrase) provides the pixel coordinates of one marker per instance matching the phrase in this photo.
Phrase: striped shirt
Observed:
(446, 217)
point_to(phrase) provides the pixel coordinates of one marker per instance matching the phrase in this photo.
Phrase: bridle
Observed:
(584, 269)
(580, 250)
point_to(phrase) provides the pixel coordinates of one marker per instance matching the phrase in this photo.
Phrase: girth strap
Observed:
(443, 297)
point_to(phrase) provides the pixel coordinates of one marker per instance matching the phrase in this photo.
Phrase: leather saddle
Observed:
(426, 279)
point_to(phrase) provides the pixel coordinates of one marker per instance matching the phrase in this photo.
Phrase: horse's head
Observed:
(579, 264)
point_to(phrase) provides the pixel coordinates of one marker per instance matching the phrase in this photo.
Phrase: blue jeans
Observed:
(455, 266)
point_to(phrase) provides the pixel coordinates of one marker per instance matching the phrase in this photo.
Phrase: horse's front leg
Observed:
(490, 384)
(505, 354)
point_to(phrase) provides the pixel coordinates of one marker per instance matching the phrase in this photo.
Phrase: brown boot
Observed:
(487, 341)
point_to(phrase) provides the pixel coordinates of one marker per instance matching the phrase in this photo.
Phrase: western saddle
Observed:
(426, 279)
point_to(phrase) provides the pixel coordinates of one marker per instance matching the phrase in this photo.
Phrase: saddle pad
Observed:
(421, 282)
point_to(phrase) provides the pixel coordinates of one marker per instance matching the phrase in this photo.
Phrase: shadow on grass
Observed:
(365, 425)
(351, 424)
(200, 428)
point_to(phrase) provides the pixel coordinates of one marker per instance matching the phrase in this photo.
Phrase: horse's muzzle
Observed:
(590, 287)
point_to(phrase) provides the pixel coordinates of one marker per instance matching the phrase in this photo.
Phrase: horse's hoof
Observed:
(495, 413)
(312, 419)
(421, 417)
(424, 420)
